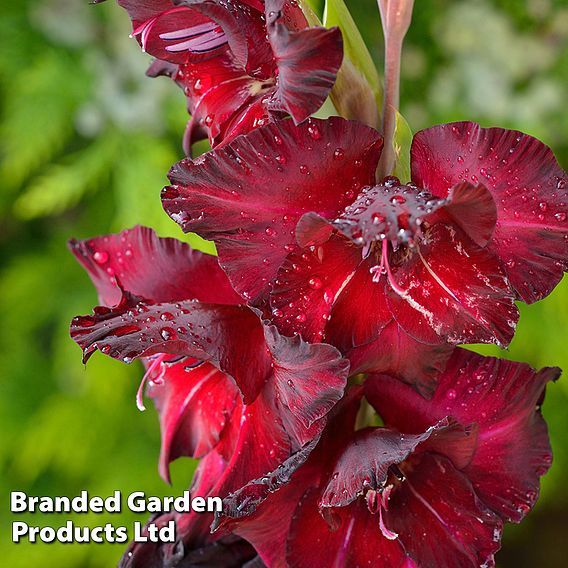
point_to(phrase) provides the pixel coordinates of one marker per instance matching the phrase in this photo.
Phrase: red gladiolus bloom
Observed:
(360, 263)
(222, 380)
(241, 63)
(431, 488)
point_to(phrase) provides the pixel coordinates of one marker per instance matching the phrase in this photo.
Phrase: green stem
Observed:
(395, 17)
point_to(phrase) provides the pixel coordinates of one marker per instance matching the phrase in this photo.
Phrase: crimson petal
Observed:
(163, 270)
(244, 28)
(458, 288)
(439, 518)
(355, 541)
(307, 285)
(173, 33)
(528, 186)
(473, 210)
(216, 89)
(204, 331)
(364, 463)
(194, 405)
(224, 196)
(396, 353)
(502, 398)
(308, 381)
(284, 485)
(308, 61)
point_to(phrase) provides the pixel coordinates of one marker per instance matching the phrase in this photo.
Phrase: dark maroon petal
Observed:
(174, 33)
(276, 489)
(356, 539)
(230, 337)
(456, 288)
(365, 462)
(360, 311)
(150, 554)
(307, 285)
(527, 184)
(289, 414)
(308, 61)
(473, 209)
(250, 116)
(142, 11)
(244, 29)
(312, 229)
(260, 446)
(396, 353)
(268, 504)
(193, 529)
(502, 398)
(308, 381)
(439, 518)
(223, 195)
(194, 405)
(288, 386)
(246, 501)
(216, 88)
(163, 270)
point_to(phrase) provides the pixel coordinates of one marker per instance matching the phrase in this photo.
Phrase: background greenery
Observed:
(85, 142)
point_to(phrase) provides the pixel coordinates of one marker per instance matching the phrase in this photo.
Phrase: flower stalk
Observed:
(395, 17)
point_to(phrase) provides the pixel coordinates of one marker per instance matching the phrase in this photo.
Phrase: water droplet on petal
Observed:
(101, 257)
(315, 283)
(339, 154)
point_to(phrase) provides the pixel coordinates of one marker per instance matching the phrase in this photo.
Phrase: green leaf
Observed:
(357, 92)
(337, 14)
(39, 115)
(62, 185)
(402, 143)
(312, 10)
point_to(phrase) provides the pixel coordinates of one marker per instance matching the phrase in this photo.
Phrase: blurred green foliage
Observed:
(85, 143)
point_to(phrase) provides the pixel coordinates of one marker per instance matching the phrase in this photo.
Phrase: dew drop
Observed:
(101, 257)
(377, 218)
(314, 132)
(397, 199)
(339, 154)
(315, 283)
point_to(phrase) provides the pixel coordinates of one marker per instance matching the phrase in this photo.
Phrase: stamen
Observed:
(392, 281)
(199, 39)
(384, 497)
(187, 33)
(200, 44)
(379, 269)
(140, 393)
